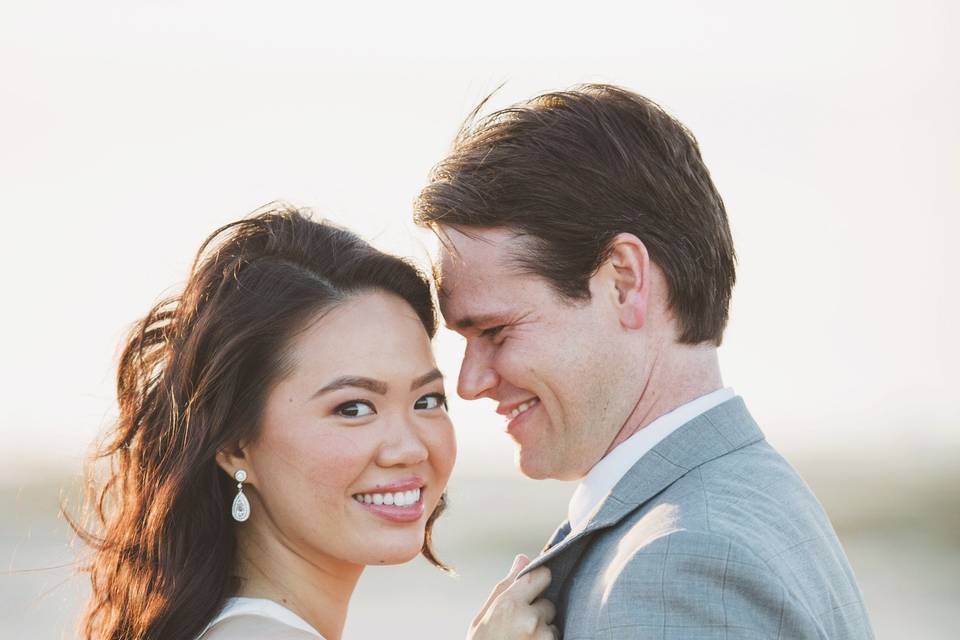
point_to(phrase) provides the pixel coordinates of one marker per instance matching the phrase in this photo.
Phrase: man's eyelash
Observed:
(493, 331)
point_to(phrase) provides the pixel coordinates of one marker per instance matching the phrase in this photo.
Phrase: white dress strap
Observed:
(263, 608)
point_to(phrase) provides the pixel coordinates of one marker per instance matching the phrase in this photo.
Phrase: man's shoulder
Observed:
(739, 539)
(747, 514)
(750, 498)
(685, 579)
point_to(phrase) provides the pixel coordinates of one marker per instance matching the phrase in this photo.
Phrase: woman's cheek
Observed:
(443, 451)
(334, 460)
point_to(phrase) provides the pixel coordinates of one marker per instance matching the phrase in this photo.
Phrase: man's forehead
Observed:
(473, 254)
(469, 241)
(472, 272)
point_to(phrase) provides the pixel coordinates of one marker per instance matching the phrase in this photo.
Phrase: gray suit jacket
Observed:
(711, 534)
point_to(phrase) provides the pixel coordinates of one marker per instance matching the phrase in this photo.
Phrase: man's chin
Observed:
(538, 467)
(533, 466)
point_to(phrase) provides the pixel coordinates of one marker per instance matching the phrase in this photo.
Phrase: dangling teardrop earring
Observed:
(241, 506)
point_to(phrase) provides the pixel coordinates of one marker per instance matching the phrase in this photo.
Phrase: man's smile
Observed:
(511, 411)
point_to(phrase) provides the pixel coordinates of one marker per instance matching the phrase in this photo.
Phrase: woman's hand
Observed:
(513, 611)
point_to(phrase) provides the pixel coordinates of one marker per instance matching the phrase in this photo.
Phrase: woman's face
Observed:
(355, 445)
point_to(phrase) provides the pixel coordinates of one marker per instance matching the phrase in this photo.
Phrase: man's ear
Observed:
(233, 458)
(629, 270)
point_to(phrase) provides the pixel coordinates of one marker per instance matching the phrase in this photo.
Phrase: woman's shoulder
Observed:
(252, 627)
(255, 618)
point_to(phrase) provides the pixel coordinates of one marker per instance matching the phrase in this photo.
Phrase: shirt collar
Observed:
(605, 475)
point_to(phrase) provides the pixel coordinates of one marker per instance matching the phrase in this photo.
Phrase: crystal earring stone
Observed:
(241, 506)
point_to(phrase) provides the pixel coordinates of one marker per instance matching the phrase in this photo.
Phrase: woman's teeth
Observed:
(398, 499)
(523, 407)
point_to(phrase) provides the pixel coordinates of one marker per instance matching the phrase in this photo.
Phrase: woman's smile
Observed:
(399, 502)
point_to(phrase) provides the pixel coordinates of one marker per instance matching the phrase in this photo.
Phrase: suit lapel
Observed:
(725, 428)
(562, 532)
(561, 563)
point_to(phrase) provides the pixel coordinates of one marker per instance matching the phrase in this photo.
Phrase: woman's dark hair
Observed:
(570, 170)
(192, 380)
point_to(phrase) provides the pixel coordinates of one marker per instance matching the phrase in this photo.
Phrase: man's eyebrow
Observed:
(375, 386)
(426, 379)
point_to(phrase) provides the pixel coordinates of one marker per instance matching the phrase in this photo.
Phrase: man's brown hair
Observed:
(570, 170)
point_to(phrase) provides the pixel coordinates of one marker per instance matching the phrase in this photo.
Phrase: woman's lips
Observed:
(401, 506)
(393, 513)
(408, 484)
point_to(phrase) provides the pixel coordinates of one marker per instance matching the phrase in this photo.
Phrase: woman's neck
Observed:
(316, 589)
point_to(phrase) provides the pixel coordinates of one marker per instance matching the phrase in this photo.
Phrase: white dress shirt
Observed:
(605, 475)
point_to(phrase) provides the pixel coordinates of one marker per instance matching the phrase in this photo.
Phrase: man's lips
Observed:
(518, 419)
(514, 409)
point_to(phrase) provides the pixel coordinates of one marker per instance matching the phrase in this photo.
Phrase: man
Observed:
(587, 260)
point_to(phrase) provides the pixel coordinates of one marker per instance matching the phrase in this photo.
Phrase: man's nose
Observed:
(403, 447)
(477, 378)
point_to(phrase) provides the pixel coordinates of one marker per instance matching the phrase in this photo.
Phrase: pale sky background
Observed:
(130, 130)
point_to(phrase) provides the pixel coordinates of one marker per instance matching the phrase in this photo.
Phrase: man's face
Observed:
(550, 364)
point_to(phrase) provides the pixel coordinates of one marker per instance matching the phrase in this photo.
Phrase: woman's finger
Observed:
(518, 564)
(546, 632)
(527, 588)
(545, 610)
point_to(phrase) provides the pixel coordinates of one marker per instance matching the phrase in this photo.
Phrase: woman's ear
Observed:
(233, 458)
(629, 265)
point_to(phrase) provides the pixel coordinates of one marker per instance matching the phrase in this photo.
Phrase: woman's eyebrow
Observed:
(374, 386)
(426, 379)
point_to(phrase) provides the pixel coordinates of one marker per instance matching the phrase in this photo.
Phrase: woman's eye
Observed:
(432, 401)
(355, 409)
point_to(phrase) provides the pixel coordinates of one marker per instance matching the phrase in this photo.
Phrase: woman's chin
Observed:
(393, 551)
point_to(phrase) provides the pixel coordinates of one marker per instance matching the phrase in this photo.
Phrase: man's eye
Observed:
(431, 401)
(355, 409)
(492, 331)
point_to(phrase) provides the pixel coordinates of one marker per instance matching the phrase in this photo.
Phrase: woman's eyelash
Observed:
(440, 398)
(352, 409)
(363, 408)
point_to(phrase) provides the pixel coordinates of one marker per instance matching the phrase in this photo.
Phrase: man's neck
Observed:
(673, 379)
(317, 591)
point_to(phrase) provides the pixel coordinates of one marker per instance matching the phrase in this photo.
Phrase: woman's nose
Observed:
(404, 447)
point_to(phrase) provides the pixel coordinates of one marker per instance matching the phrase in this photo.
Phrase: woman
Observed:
(282, 425)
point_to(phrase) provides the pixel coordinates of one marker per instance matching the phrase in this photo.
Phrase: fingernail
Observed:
(520, 561)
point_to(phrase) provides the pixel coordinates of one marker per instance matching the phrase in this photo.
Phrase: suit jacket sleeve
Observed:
(695, 586)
